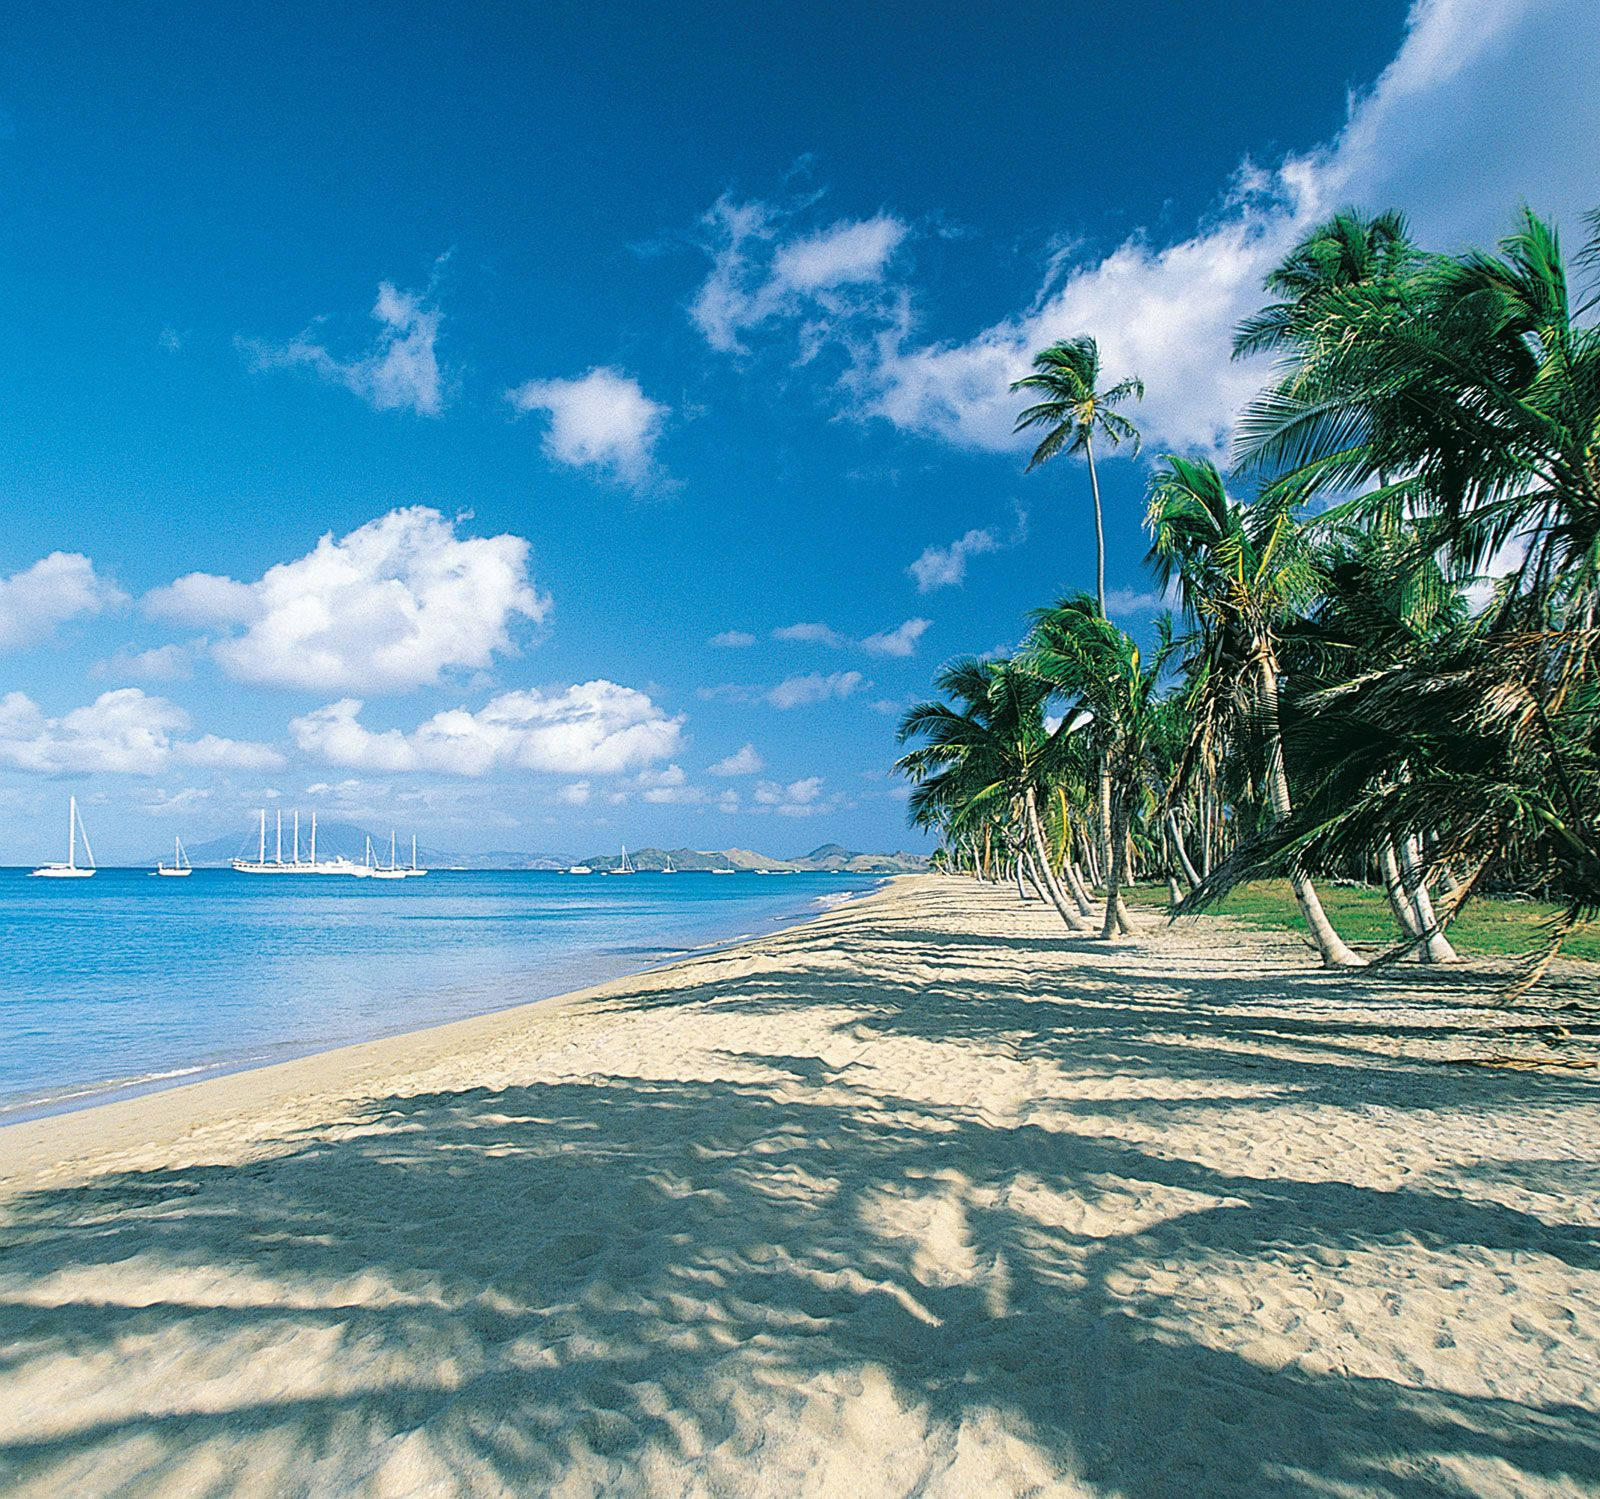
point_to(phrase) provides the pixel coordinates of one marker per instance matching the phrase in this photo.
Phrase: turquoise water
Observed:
(126, 982)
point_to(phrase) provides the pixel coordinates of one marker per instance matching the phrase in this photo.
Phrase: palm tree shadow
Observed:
(627, 1275)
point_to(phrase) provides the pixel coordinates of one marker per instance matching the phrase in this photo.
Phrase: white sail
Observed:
(180, 866)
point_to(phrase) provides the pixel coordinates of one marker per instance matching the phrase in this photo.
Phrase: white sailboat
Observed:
(624, 867)
(180, 866)
(415, 869)
(71, 870)
(669, 867)
(394, 871)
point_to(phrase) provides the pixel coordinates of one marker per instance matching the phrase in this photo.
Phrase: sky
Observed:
(560, 426)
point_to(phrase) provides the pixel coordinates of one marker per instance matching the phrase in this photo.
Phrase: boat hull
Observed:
(63, 873)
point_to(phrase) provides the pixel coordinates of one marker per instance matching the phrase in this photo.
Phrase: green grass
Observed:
(1491, 926)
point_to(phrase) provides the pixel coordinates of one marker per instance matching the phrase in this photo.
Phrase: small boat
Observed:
(70, 870)
(624, 867)
(377, 871)
(724, 871)
(580, 869)
(669, 867)
(180, 866)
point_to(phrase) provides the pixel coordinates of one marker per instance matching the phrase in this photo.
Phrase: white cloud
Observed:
(400, 372)
(600, 420)
(123, 732)
(593, 728)
(946, 567)
(733, 639)
(744, 761)
(55, 589)
(162, 663)
(799, 692)
(759, 271)
(844, 253)
(900, 641)
(1445, 133)
(576, 793)
(390, 607)
(1123, 601)
(809, 634)
(802, 798)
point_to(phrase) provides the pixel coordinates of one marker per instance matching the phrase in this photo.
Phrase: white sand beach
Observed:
(922, 1198)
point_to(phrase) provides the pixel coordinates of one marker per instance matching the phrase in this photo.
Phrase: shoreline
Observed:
(70, 1099)
(922, 1195)
(28, 1140)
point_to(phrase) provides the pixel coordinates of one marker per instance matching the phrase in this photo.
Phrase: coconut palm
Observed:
(1073, 410)
(1241, 573)
(1105, 683)
(988, 757)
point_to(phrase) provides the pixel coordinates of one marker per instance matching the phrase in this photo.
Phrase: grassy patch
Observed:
(1490, 925)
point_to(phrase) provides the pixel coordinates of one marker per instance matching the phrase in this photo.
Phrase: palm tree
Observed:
(1073, 409)
(988, 758)
(1241, 573)
(1098, 670)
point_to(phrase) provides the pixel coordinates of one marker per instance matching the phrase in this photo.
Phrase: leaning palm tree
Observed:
(1072, 410)
(1240, 573)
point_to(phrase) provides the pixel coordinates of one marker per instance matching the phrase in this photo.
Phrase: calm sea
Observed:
(126, 982)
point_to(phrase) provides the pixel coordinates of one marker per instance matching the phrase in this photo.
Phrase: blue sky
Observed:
(577, 425)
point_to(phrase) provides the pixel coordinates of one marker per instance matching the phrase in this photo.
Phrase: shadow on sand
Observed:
(616, 1276)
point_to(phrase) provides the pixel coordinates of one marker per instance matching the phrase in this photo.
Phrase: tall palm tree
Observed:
(1240, 573)
(1073, 409)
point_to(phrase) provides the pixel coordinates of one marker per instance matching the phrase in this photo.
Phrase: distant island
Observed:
(336, 838)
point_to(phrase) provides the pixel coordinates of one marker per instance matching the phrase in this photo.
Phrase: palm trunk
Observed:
(1175, 833)
(1016, 874)
(1076, 886)
(1335, 952)
(1436, 946)
(1112, 923)
(1105, 818)
(1041, 858)
(1405, 914)
(1174, 890)
(1099, 528)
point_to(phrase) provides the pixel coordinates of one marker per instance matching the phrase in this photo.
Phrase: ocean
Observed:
(126, 982)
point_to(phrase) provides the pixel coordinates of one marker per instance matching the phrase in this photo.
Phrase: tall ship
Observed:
(261, 864)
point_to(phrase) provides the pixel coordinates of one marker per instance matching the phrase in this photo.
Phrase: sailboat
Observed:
(261, 864)
(669, 867)
(70, 870)
(394, 871)
(624, 867)
(414, 870)
(180, 866)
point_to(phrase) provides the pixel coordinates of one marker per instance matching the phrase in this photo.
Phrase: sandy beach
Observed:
(923, 1197)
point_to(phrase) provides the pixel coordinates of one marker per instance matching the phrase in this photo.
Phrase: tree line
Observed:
(1380, 659)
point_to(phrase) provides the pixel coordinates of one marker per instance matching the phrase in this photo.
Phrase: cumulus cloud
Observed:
(762, 270)
(123, 732)
(592, 728)
(802, 798)
(814, 687)
(733, 639)
(400, 372)
(602, 420)
(806, 633)
(56, 588)
(162, 663)
(390, 607)
(946, 567)
(1431, 136)
(744, 761)
(900, 641)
